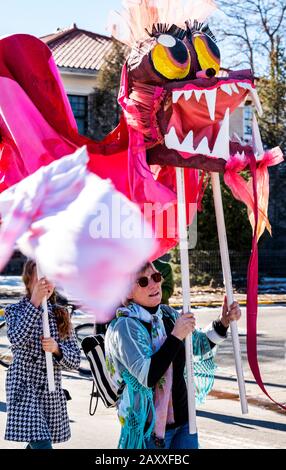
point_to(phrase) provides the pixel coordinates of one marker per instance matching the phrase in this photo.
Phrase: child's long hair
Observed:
(62, 315)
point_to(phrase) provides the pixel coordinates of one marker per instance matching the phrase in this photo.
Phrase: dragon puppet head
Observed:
(174, 92)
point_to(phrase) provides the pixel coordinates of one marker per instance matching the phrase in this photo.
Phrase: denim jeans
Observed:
(177, 438)
(46, 444)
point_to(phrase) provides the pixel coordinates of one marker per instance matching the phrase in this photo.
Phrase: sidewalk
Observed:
(220, 422)
(271, 346)
(88, 432)
(209, 297)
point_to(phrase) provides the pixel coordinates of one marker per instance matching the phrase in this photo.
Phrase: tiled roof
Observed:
(78, 49)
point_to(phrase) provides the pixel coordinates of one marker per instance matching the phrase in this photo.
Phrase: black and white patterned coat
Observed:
(33, 413)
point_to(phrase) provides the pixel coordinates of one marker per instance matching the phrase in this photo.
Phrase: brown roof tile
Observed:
(78, 49)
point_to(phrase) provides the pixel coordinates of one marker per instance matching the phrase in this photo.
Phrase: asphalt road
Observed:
(220, 422)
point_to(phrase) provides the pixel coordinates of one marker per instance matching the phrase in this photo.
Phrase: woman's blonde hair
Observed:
(62, 315)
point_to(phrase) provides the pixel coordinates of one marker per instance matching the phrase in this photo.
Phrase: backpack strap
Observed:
(94, 394)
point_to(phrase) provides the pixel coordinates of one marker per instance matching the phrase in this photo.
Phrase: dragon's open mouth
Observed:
(200, 117)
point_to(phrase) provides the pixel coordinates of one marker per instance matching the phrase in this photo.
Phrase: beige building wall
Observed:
(78, 84)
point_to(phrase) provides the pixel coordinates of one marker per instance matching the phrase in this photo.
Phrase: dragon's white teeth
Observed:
(203, 147)
(234, 88)
(256, 138)
(221, 148)
(240, 155)
(188, 94)
(198, 94)
(244, 85)
(256, 101)
(226, 88)
(188, 144)
(171, 139)
(211, 102)
(254, 96)
(177, 95)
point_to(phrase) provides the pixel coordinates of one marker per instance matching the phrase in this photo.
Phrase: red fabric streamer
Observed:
(254, 194)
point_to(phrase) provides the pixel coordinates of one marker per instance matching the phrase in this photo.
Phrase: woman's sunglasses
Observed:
(144, 280)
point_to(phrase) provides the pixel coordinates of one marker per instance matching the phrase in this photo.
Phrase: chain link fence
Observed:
(205, 266)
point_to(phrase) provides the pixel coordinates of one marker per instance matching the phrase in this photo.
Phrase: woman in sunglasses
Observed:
(145, 353)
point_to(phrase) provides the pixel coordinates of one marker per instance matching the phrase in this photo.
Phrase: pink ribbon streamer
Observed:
(256, 199)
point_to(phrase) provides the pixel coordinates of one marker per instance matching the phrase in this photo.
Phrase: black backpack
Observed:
(93, 347)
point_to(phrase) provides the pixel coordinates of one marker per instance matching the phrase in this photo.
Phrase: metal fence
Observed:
(272, 263)
(205, 266)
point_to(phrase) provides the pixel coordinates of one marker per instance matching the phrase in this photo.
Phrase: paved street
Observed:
(220, 422)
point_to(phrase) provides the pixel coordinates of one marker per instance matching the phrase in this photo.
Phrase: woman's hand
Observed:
(184, 325)
(50, 345)
(43, 288)
(231, 314)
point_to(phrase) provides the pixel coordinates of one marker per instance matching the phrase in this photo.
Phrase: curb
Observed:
(219, 304)
(251, 400)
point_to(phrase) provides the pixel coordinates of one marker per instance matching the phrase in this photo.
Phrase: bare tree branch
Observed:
(282, 16)
(258, 25)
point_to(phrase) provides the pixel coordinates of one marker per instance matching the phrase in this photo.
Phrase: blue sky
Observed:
(39, 18)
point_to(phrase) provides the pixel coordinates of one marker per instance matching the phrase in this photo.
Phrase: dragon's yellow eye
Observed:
(171, 58)
(207, 52)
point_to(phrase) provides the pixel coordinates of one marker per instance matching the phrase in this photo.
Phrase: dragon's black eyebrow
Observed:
(195, 26)
(163, 28)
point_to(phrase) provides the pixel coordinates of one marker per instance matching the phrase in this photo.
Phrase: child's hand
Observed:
(50, 345)
(43, 288)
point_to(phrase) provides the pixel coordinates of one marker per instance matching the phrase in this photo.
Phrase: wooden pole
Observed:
(183, 241)
(228, 287)
(47, 334)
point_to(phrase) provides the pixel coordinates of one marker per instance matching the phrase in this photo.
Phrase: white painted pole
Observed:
(228, 287)
(47, 334)
(183, 237)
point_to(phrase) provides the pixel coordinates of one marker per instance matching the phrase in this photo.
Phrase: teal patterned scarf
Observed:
(163, 391)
